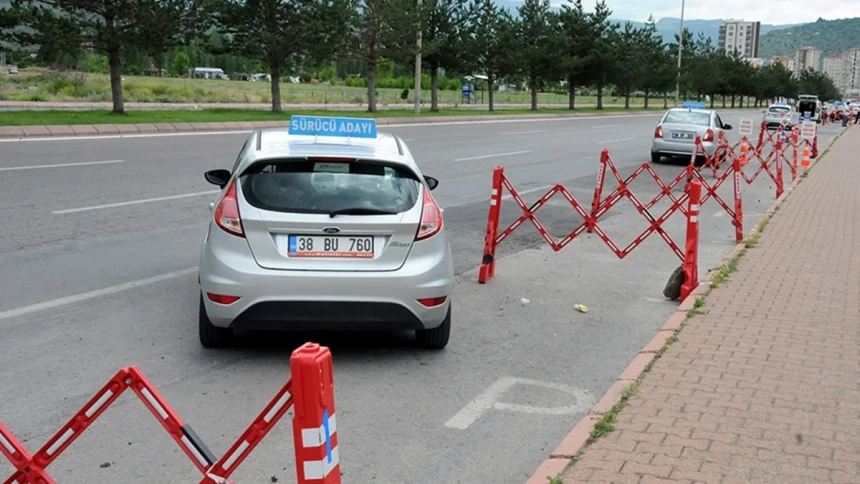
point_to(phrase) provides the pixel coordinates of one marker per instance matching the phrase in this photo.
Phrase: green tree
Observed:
(658, 68)
(283, 32)
(488, 43)
(116, 28)
(536, 44)
(443, 40)
(577, 40)
(181, 64)
(628, 69)
(601, 59)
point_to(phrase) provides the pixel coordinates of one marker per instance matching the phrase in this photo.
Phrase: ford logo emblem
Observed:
(331, 230)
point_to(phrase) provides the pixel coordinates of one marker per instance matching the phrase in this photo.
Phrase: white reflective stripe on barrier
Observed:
(152, 401)
(318, 469)
(235, 455)
(96, 406)
(694, 206)
(315, 437)
(62, 440)
(197, 454)
(7, 445)
(278, 406)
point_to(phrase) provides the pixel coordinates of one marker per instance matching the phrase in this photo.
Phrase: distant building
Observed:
(807, 58)
(739, 36)
(844, 69)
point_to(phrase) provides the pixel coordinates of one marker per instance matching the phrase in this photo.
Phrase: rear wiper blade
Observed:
(359, 211)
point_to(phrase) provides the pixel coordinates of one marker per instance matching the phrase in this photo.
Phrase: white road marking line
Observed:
(615, 141)
(530, 190)
(720, 213)
(489, 399)
(512, 153)
(60, 165)
(133, 202)
(54, 303)
(382, 126)
(607, 126)
(409, 139)
(523, 132)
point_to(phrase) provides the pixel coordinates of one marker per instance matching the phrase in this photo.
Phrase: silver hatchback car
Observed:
(327, 225)
(675, 134)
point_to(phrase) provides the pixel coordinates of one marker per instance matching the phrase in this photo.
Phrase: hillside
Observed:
(831, 36)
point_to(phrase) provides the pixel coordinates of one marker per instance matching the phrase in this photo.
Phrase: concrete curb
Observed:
(578, 438)
(23, 132)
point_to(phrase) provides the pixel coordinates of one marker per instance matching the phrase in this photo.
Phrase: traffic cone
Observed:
(805, 162)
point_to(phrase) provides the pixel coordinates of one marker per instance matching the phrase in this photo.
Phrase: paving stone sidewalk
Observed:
(765, 387)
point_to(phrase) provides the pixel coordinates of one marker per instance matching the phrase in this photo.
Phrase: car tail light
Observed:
(658, 133)
(709, 135)
(431, 218)
(433, 301)
(221, 298)
(227, 212)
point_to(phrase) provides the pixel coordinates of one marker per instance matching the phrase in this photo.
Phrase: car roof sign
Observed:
(333, 127)
(693, 105)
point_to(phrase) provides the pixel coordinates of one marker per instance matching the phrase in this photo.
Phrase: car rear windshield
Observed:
(779, 109)
(807, 106)
(688, 117)
(302, 186)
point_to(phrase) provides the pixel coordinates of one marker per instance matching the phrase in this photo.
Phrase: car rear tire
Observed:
(212, 336)
(436, 338)
(655, 157)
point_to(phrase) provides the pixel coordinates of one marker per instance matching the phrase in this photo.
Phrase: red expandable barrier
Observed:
(30, 469)
(314, 421)
(599, 207)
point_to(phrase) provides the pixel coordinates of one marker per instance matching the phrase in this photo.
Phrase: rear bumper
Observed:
(282, 300)
(675, 148)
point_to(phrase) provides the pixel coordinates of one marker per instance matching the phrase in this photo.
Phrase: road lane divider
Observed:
(497, 155)
(134, 202)
(60, 165)
(309, 392)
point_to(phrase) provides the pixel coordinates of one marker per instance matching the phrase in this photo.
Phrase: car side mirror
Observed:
(218, 177)
(727, 127)
(432, 183)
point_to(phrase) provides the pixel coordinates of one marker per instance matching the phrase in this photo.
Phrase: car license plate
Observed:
(330, 246)
(682, 135)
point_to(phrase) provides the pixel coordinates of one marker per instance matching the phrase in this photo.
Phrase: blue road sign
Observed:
(331, 126)
(327, 436)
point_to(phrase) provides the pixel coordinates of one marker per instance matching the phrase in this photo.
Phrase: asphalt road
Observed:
(99, 259)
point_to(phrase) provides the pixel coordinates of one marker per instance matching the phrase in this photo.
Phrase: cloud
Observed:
(788, 12)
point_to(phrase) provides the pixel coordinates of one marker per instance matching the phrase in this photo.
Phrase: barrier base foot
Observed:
(672, 291)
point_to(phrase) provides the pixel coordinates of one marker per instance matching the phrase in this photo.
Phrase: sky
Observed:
(781, 12)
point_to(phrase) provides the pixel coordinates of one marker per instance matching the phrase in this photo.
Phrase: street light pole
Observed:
(680, 50)
(418, 68)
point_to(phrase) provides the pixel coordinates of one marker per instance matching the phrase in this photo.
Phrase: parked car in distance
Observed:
(676, 133)
(778, 115)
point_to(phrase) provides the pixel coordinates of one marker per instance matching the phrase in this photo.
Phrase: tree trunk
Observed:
(600, 96)
(275, 72)
(434, 87)
(665, 101)
(371, 86)
(491, 81)
(647, 93)
(116, 81)
(571, 92)
(724, 101)
(713, 100)
(533, 88)
(733, 101)
(627, 97)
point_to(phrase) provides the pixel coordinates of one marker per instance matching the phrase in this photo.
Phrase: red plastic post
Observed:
(761, 136)
(488, 261)
(739, 209)
(779, 165)
(314, 421)
(815, 145)
(598, 190)
(690, 266)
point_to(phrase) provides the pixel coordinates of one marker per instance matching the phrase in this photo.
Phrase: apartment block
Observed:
(807, 58)
(844, 69)
(741, 37)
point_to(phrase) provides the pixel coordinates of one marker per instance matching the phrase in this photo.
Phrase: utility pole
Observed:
(418, 67)
(680, 50)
